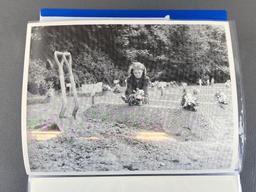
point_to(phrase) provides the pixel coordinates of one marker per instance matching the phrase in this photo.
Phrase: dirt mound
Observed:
(103, 146)
(185, 125)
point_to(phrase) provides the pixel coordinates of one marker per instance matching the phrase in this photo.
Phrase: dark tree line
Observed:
(104, 53)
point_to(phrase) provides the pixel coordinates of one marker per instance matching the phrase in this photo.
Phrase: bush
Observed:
(38, 73)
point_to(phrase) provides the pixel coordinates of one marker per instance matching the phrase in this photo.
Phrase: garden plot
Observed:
(111, 136)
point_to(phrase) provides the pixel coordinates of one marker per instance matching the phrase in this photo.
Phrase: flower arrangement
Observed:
(221, 98)
(137, 98)
(189, 101)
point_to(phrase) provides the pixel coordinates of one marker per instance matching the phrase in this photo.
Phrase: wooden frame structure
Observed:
(62, 58)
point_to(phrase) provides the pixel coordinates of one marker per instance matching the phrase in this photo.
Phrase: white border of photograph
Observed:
(188, 183)
(225, 24)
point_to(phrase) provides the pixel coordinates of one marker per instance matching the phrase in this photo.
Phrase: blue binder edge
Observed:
(208, 15)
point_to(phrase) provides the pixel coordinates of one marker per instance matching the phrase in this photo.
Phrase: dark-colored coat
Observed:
(133, 83)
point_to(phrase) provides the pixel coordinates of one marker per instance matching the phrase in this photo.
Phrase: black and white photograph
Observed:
(129, 97)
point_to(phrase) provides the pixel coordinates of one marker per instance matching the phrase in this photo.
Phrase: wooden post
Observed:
(162, 91)
(93, 96)
(62, 83)
(93, 100)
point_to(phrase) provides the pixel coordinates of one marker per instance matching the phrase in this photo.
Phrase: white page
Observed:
(137, 184)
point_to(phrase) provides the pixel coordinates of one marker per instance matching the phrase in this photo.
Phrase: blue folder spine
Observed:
(208, 15)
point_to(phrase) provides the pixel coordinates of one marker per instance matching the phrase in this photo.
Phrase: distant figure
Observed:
(212, 81)
(137, 82)
(200, 82)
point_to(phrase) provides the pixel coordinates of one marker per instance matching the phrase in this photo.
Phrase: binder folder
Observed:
(176, 181)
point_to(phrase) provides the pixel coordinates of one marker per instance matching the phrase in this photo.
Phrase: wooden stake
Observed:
(93, 101)
(162, 91)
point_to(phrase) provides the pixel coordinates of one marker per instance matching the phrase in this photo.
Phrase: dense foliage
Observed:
(104, 52)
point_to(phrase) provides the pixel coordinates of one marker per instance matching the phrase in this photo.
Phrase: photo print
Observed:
(129, 97)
